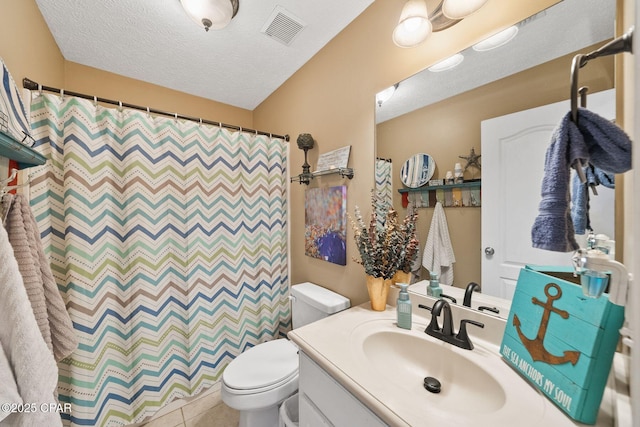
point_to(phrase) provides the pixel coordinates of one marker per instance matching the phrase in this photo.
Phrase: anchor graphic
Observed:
(536, 346)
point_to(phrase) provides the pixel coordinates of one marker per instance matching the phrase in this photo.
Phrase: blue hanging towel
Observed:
(595, 140)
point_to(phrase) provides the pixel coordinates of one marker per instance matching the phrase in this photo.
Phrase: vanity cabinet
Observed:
(324, 402)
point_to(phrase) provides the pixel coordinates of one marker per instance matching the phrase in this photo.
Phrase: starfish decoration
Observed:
(472, 159)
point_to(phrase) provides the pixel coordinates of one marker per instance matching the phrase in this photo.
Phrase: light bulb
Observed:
(497, 40)
(413, 26)
(448, 63)
(458, 9)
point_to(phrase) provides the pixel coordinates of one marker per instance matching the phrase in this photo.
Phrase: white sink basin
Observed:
(416, 357)
(477, 387)
(385, 366)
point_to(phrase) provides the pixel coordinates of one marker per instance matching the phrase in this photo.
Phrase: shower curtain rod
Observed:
(31, 85)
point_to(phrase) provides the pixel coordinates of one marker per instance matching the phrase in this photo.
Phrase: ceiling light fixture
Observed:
(386, 94)
(413, 26)
(447, 64)
(211, 14)
(458, 9)
(496, 40)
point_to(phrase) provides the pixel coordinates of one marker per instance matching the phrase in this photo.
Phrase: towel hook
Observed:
(6, 190)
(14, 173)
(620, 44)
(576, 64)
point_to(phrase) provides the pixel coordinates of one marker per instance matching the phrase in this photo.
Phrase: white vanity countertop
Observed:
(330, 343)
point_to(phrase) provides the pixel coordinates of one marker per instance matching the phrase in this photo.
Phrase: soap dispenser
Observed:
(434, 289)
(403, 307)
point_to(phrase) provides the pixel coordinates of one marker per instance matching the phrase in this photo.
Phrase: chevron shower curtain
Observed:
(168, 242)
(384, 188)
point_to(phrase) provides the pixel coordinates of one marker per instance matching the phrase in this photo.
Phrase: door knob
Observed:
(489, 251)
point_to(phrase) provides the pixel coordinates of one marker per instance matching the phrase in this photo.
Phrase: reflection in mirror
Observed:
(440, 114)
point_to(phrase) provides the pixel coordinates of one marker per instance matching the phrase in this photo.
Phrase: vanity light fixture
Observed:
(458, 9)
(447, 64)
(386, 94)
(414, 26)
(211, 14)
(497, 40)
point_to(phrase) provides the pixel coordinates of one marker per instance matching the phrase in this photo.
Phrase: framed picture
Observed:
(325, 224)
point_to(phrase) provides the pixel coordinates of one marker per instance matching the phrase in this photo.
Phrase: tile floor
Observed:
(204, 410)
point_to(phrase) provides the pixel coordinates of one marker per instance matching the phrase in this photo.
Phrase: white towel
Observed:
(30, 360)
(9, 389)
(438, 254)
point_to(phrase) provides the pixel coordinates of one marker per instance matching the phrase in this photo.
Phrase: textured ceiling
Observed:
(563, 28)
(155, 41)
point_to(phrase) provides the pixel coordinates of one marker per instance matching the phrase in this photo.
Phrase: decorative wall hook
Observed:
(305, 142)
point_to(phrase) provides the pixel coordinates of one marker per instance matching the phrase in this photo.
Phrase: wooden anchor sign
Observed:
(560, 340)
(535, 347)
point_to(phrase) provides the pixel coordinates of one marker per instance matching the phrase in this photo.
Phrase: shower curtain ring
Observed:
(61, 94)
(200, 123)
(95, 101)
(39, 89)
(120, 106)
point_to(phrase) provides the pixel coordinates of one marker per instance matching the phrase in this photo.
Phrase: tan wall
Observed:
(332, 97)
(450, 128)
(26, 45)
(92, 81)
(29, 50)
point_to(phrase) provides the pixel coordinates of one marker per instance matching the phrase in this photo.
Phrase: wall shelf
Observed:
(23, 154)
(306, 178)
(466, 194)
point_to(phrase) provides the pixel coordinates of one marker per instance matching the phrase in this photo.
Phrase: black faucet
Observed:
(453, 300)
(471, 287)
(491, 309)
(446, 332)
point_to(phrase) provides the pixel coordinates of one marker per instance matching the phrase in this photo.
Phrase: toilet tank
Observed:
(311, 302)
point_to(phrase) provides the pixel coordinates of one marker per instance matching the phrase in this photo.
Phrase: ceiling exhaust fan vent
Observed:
(283, 26)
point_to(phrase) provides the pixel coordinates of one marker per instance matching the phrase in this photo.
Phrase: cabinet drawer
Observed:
(333, 401)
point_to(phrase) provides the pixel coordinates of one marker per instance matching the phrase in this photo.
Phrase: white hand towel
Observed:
(438, 256)
(33, 366)
(9, 389)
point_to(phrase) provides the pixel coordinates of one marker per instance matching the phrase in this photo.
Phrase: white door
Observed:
(513, 153)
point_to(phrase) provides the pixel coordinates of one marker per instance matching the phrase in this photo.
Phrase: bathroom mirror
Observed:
(440, 112)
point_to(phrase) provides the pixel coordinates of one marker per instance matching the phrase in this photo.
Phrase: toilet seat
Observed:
(262, 368)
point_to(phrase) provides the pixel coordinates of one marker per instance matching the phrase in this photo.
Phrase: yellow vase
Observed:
(378, 291)
(401, 277)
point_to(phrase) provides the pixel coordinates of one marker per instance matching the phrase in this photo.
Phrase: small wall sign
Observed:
(334, 159)
(561, 341)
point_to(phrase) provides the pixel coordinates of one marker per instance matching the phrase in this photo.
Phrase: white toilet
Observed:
(261, 378)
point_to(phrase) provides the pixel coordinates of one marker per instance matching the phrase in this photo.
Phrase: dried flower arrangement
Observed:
(388, 248)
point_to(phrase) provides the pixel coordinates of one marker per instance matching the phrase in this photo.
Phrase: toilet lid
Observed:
(263, 365)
